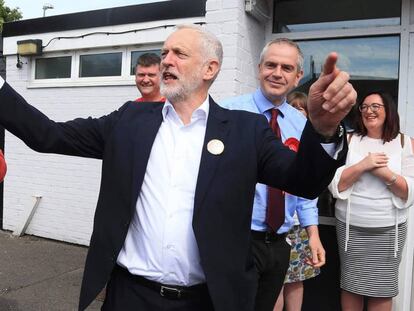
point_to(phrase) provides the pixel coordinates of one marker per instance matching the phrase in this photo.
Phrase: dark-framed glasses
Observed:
(373, 107)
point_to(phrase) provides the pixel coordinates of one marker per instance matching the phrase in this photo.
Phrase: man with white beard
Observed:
(172, 224)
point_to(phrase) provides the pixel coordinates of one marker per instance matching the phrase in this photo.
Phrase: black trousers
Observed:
(124, 293)
(272, 255)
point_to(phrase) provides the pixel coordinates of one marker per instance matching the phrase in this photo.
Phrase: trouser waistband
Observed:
(167, 291)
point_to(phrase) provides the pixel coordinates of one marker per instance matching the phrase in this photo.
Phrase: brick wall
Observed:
(243, 38)
(69, 186)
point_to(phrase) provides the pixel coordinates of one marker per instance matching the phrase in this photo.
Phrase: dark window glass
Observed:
(53, 67)
(305, 15)
(100, 65)
(136, 54)
(372, 62)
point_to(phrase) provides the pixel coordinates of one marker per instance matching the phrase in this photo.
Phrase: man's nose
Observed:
(277, 71)
(167, 60)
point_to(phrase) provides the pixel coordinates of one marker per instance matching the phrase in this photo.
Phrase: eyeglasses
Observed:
(373, 107)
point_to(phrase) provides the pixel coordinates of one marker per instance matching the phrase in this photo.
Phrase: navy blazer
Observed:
(224, 191)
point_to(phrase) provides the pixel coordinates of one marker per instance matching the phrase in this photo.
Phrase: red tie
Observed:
(275, 212)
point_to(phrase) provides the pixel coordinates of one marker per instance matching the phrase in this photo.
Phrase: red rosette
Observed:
(292, 143)
(3, 166)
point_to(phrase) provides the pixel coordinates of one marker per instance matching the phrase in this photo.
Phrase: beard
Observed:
(183, 87)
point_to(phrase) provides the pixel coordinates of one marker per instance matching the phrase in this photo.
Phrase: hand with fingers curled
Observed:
(330, 98)
(317, 256)
(374, 160)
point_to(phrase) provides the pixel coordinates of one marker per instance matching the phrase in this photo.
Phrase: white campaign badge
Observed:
(215, 146)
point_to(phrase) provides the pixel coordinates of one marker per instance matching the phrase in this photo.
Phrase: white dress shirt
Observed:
(160, 244)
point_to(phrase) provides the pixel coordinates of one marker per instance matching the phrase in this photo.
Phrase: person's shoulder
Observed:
(140, 107)
(351, 134)
(245, 116)
(237, 102)
(294, 118)
(145, 105)
(293, 112)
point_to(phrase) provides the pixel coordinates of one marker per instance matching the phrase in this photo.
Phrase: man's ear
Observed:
(259, 67)
(299, 76)
(211, 70)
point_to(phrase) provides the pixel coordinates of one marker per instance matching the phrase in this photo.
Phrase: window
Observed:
(100, 65)
(372, 62)
(95, 67)
(293, 16)
(368, 58)
(136, 54)
(412, 23)
(53, 67)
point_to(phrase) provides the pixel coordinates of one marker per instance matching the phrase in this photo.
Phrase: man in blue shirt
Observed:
(280, 70)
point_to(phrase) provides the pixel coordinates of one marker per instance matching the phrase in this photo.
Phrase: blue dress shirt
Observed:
(291, 125)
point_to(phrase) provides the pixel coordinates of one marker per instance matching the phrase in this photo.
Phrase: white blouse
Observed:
(368, 202)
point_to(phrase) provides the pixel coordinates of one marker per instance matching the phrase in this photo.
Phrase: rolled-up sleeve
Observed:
(307, 212)
(407, 171)
(333, 186)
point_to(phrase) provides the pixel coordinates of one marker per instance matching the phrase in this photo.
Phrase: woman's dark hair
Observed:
(301, 97)
(391, 127)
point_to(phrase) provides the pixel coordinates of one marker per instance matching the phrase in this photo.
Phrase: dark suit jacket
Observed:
(224, 192)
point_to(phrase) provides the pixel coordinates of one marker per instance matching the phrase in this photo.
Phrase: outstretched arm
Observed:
(79, 137)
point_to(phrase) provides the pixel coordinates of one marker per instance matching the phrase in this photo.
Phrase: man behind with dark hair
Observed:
(147, 78)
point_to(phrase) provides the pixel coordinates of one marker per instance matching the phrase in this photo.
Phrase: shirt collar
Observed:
(200, 113)
(264, 105)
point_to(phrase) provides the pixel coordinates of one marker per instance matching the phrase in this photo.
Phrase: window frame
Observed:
(75, 80)
(49, 57)
(141, 49)
(356, 17)
(100, 52)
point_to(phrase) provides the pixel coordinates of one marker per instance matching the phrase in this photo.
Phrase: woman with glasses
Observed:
(373, 190)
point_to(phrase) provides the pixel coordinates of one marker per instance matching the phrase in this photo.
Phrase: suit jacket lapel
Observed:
(144, 134)
(217, 128)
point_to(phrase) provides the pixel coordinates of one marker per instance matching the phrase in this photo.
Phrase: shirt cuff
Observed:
(333, 149)
(398, 202)
(333, 186)
(1, 82)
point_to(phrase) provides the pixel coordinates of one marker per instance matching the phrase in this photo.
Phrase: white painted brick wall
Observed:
(69, 186)
(242, 38)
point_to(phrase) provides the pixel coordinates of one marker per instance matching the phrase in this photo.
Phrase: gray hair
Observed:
(210, 45)
(289, 42)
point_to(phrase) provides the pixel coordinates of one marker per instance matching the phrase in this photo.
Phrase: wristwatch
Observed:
(335, 138)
